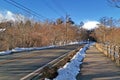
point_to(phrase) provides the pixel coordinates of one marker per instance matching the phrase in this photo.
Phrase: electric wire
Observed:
(59, 6)
(20, 6)
(51, 8)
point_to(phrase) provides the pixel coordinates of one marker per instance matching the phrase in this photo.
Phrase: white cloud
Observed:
(90, 25)
(1, 17)
(9, 16)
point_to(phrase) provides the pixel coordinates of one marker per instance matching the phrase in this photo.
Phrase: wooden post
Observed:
(109, 51)
(113, 53)
(118, 57)
(105, 50)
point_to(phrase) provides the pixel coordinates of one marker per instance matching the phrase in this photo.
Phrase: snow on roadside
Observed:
(72, 68)
(23, 49)
(82, 42)
(5, 52)
(2, 30)
(17, 49)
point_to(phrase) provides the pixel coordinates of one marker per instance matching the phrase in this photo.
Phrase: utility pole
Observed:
(66, 21)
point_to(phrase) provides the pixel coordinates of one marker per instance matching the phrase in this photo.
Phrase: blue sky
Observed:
(79, 10)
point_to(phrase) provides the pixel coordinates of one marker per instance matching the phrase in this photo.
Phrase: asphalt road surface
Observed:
(17, 65)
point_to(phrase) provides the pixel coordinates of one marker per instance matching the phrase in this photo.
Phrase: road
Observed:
(17, 65)
(96, 66)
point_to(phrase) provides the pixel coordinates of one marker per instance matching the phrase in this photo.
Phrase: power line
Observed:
(27, 8)
(58, 5)
(20, 6)
(50, 7)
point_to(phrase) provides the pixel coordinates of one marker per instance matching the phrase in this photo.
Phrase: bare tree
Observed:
(114, 3)
(59, 21)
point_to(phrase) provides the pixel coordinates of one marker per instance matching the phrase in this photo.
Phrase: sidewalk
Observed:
(96, 66)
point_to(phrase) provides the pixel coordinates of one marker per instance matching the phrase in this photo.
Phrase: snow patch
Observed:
(17, 49)
(23, 50)
(2, 30)
(82, 42)
(71, 69)
(5, 52)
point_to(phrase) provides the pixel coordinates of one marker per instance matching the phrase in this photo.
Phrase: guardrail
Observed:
(111, 51)
(45, 71)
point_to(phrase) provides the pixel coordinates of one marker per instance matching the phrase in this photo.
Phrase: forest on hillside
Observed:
(108, 31)
(36, 34)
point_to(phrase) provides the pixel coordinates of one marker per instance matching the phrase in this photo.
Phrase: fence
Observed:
(111, 51)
